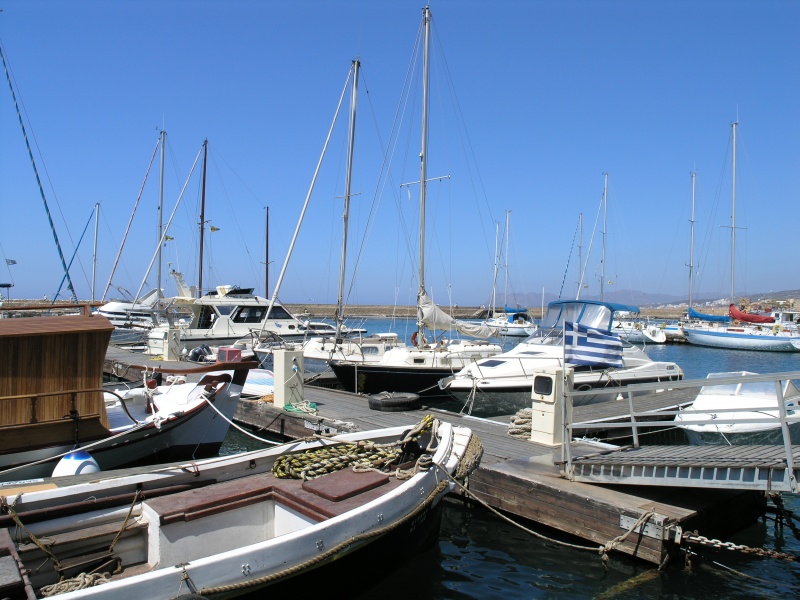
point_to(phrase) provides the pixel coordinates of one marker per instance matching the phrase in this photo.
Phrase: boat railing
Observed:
(638, 420)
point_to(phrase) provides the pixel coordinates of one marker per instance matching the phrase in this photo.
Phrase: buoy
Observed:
(78, 462)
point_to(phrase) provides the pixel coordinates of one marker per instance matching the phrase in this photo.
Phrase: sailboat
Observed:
(740, 333)
(417, 368)
(510, 322)
(322, 342)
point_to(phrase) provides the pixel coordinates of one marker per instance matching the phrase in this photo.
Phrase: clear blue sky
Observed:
(550, 95)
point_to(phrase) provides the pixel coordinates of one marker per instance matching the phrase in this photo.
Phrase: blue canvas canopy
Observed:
(693, 314)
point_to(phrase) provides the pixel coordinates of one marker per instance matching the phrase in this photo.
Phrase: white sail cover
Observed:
(433, 317)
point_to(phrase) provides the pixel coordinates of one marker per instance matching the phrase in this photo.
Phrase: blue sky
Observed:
(531, 103)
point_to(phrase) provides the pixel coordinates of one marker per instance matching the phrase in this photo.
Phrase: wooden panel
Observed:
(52, 354)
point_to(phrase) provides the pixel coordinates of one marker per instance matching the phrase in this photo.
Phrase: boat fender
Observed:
(394, 401)
(776, 329)
(414, 339)
(77, 462)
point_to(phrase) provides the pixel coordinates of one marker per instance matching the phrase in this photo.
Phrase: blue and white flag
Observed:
(589, 346)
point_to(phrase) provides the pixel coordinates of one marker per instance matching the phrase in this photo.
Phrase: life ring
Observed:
(414, 338)
(776, 329)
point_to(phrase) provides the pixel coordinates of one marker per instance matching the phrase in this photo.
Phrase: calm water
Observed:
(480, 556)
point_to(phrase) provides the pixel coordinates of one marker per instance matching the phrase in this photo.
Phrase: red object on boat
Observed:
(735, 313)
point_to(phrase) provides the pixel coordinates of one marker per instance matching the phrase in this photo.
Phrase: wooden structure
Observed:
(51, 377)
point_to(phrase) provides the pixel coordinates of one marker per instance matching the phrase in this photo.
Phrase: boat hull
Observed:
(364, 378)
(735, 340)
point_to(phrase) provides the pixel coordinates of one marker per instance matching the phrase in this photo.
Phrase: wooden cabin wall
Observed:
(52, 361)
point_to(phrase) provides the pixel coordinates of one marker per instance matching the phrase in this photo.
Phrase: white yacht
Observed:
(503, 382)
(220, 318)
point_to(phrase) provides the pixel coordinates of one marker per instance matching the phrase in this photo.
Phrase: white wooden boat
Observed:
(228, 526)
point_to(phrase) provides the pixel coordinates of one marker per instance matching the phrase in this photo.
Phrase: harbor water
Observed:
(480, 555)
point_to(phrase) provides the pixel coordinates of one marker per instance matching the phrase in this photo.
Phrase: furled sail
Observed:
(435, 318)
(693, 314)
(747, 317)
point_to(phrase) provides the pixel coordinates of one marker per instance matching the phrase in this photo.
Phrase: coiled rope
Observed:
(363, 455)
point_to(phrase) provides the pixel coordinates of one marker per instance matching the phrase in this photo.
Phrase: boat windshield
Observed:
(597, 316)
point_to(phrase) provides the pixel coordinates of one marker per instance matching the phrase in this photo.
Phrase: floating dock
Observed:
(525, 479)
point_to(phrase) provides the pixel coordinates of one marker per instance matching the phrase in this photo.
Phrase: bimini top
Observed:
(591, 313)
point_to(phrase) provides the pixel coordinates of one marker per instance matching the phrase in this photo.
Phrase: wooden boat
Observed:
(227, 526)
(52, 401)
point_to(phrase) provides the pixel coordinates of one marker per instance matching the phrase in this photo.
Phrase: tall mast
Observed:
(580, 256)
(423, 168)
(160, 213)
(94, 253)
(266, 256)
(508, 235)
(691, 241)
(202, 220)
(733, 214)
(347, 191)
(605, 215)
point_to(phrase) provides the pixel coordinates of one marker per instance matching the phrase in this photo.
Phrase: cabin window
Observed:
(278, 312)
(491, 363)
(248, 314)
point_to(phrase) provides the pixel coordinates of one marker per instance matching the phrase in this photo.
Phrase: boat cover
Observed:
(693, 314)
(747, 317)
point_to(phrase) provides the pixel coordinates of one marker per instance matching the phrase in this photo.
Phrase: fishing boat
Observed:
(733, 409)
(574, 333)
(53, 401)
(228, 526)
(417, 368)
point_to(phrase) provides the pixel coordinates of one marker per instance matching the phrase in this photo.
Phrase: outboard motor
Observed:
(199, 353)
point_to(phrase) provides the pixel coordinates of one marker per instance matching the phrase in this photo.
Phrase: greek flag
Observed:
(593, 347)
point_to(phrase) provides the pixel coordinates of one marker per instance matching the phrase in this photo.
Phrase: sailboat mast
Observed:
(160, 214)
(508, 235)
(266, 256)
(202, 220)
(605, 216)
(580, 257)
(733, 214)
(94, 253)
(347, 191)
(691, 240)
(423, 169)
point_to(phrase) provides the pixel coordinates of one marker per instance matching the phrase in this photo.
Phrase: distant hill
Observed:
(643, 299)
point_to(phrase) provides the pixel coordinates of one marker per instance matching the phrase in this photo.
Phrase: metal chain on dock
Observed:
(692, 537)
(327, 459)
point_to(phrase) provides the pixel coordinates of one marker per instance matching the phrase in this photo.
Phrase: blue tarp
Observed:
(693, 314)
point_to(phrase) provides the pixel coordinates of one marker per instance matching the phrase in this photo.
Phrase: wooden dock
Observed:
(522, 478)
